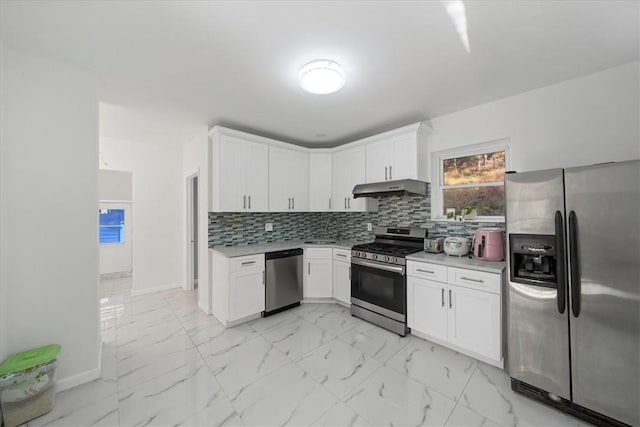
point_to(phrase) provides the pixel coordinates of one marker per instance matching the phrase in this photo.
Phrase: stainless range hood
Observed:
(400, 187)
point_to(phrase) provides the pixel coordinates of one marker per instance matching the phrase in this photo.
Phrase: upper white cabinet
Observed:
(288, 180)
(320, 181)
(250, 173)
(239, 175)
(399, 154)
(348, 171)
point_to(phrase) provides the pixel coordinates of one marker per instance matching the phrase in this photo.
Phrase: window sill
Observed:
(492, 219)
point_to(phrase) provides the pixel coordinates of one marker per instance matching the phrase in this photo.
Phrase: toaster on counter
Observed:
(434, 244)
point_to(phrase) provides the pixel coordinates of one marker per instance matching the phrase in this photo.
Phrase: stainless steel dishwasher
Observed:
(283, 288)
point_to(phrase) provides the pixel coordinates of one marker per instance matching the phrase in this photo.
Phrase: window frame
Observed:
(437, 174)
(121, 226)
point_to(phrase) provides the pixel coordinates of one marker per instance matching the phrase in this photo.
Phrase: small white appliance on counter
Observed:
(434, 244)
(457, 246)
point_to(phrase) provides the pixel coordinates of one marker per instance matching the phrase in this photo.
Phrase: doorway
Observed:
(192, 231)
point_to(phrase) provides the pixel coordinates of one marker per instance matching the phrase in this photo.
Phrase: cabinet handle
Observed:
(244, 202)
(264, 276)
(309, 268)
(329, 203)
(345, 203)
(248, 262)
(293, 203)
(385, 173)
(425, 271)
(442, 296)
(472, 280)
(249, 202)
(450, 303)
(341, 255)
(349, 202)
(390, 175)
(349, 272)
(289, 202)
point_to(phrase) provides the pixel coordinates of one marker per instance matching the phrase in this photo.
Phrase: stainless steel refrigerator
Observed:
(573, 303)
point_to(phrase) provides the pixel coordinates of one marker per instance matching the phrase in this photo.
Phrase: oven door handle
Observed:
(372, 264)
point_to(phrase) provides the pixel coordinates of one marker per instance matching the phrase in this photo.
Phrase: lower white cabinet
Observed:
(318, 278)
(237, 287)
(246, 293)
(474, 321)
(464, 315)
(342, 276)
(426, 311)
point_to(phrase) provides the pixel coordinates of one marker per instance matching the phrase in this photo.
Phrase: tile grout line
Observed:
(235, 410)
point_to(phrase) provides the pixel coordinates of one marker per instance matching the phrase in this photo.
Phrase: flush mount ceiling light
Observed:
(321, 77)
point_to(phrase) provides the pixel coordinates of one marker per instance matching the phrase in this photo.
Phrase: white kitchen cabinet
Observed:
(426, 307)
(320, 180)
(288, 180)
(404, 157)
(474, 321)
(456, 307)
(246, 293)
(377, 161)
(398, 154)
(348, 171)
(342, 276)
(239, 175)
(318, 273)
(237, 287)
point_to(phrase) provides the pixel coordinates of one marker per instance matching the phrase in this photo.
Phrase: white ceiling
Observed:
(190, 63)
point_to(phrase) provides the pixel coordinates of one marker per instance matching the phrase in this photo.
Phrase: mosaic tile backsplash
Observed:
(403, 211)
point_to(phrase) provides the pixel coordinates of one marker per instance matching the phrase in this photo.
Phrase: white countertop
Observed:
(260, 248)
(462, 262)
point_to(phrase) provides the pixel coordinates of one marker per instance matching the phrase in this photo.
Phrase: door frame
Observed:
(190, 271)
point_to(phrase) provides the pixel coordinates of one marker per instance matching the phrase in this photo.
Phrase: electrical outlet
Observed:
(268, 226)
(369, 226)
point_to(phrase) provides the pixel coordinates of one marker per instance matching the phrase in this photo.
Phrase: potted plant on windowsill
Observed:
(469, 213)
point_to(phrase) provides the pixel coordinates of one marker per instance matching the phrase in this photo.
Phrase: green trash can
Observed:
(28, 385)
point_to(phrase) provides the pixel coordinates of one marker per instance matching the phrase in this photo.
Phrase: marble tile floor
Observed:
(165, 363)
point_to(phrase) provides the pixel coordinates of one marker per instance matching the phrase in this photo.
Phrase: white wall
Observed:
(195, 159)
(157, 218)
(581, 121)
(49, 206)
(114, 185)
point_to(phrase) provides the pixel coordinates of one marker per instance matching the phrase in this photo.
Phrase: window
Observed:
(111, 226)
(471, 176)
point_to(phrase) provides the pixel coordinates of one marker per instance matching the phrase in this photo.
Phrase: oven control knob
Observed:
(375, 256)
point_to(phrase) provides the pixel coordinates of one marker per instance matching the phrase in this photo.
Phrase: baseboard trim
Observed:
(116, 275)
(83, 377)
(136, 292)
(480, 357)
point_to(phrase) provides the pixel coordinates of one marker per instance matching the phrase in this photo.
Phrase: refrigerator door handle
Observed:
(574, 259)
(562, 263)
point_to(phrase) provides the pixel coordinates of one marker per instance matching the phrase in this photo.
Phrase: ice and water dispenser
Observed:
(534, 259)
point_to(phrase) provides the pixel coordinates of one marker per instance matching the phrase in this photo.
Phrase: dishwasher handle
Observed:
(283, 254)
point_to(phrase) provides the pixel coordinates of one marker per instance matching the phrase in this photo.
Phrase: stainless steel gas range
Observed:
(378, 277)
